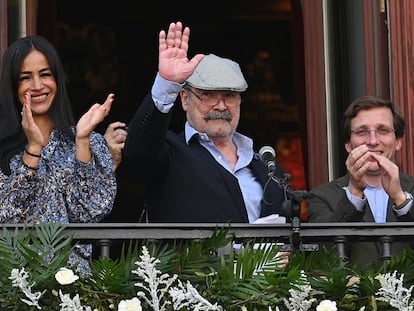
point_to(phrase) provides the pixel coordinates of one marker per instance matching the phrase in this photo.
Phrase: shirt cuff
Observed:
(164, 93)
(357, 202)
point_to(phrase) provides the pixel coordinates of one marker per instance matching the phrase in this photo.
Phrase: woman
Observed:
(51, 170)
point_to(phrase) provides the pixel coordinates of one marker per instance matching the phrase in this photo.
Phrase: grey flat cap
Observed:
(217, 73)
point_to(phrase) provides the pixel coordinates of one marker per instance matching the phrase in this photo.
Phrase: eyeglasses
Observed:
(230, 99)
(380, 132)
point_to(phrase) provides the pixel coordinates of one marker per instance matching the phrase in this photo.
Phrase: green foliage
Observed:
(252, 278)
(41, 250)
(256, 276)
(403, 264)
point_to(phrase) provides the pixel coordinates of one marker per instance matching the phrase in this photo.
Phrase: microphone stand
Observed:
(291, 207)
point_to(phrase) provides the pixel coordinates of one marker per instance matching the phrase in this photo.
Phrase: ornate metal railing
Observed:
(305, 236)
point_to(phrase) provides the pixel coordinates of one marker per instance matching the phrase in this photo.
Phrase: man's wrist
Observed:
(358, 193)
(408, 199)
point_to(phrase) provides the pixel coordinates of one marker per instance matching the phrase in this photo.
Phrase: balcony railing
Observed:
(305, 236)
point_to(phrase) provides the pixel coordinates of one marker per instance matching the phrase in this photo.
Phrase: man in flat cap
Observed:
(209, 173)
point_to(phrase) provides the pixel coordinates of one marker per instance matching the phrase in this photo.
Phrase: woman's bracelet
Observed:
(30, 167)
(32, 154)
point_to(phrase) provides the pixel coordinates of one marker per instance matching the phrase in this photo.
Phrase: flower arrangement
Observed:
(160, 276)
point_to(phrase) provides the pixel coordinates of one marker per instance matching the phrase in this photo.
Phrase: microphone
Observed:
(267, 154)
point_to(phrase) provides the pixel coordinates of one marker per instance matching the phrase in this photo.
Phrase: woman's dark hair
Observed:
(12, 136)
(368, 102)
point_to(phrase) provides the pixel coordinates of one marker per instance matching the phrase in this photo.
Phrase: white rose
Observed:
(65, 276)
(133, 304)
(326, 305)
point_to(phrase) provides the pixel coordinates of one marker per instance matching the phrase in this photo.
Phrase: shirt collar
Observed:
(244, 144)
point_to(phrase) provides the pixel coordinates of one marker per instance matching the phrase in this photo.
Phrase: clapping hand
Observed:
(95, 115)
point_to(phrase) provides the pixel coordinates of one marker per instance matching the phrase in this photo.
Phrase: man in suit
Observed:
(374, 189)
(209, 172)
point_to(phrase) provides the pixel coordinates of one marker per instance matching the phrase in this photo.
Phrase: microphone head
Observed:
(267, 153)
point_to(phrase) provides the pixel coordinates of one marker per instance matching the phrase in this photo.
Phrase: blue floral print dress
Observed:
(63, 189)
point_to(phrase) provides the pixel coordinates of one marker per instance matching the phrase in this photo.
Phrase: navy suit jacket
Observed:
(183, 182)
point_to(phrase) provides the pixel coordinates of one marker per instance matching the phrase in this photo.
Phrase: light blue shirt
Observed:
(164, 94)
(378, 202)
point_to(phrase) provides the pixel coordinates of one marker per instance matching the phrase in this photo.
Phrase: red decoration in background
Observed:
(290, 157)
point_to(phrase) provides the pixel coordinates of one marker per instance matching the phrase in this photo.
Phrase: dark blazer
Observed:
(329, 203)
(183, 182)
